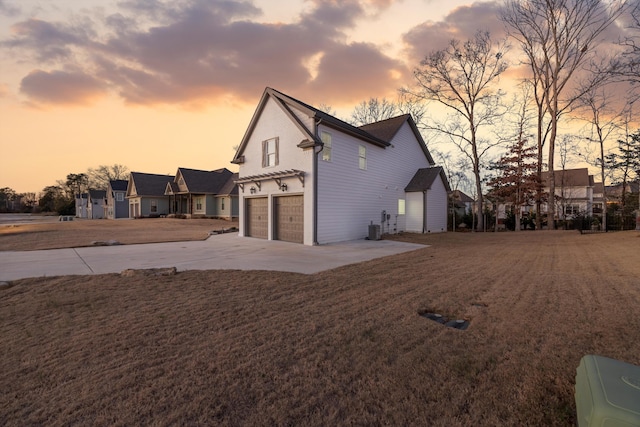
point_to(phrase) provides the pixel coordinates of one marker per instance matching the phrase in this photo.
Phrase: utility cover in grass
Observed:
(456, 324)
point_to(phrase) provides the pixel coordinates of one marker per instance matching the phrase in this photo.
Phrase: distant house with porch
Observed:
(145, 195)
(117, 205)
(198, 194)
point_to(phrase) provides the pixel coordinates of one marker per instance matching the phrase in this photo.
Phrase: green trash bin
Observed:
(607, 393)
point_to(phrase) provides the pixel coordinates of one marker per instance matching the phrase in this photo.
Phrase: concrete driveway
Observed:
(224, 251)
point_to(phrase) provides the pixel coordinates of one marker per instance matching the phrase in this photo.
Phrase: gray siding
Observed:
(437, 203)
(349, 199)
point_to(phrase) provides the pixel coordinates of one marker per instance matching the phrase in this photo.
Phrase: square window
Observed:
(362, 157)
(326, 150)
(270, 152)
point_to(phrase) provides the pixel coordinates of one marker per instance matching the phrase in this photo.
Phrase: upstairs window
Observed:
(362, 157)
(270, 152)
(119, 197)
(326, 150)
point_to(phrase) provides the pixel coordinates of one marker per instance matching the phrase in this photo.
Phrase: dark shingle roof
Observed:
(148, 184)
(118, 184)
(97, 194)
(424, 179)
(571, 177)
(230, 187)
(386, 129)
(199, 181)
(461, 197)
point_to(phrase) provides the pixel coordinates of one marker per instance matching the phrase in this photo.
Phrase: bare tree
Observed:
(604, 121)
(326, 108)
(558, 37)
(373, 110)
(461, 78)
(517, 179)
(99, 177)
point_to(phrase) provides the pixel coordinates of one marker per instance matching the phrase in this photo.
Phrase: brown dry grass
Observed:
(340, 347)
(78, 233)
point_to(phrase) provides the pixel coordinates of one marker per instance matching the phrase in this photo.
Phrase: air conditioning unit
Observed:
(374, 232)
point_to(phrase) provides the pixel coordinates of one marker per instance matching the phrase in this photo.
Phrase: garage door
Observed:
(257, 212)
(289, 218)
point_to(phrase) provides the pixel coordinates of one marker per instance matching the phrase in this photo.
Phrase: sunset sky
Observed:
(157, 85)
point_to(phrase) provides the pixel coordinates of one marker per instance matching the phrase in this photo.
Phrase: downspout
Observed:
(424, 211)
(315, 185)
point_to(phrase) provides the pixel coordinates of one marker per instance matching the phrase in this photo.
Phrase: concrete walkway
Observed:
(225, 251)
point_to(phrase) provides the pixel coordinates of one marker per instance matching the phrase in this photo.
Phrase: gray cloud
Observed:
(194, 51)
(45, 41)
(7, 9)
(462, 23)
(61, 87)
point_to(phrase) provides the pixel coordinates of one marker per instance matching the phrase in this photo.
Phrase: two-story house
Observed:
(307, 177)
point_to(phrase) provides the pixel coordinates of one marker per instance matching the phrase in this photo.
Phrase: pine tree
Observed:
(517, 177)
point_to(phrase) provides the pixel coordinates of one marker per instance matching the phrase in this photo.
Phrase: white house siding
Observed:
(436, 208)
(349, 199)
(415, 211)
(274, 123)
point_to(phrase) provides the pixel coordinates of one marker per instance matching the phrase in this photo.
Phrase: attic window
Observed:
(181, 181)
(270, 152)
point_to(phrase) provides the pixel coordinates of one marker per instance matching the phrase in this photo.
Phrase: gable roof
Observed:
(570, 177)
(199, 181)
(147, 184)
(230, 187)
(118, 184)
(387, 130)
(286, 103)
(172, 188)
(461, 197)
(424, 179)
(97, 194)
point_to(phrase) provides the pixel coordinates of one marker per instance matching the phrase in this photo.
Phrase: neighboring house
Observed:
(614, 192)
(462, 204)
(574, 193)
(117, 205)
(145, 194)
(308, 177)
(197, 193)
(81, 205)
(96, 203)
(598, 199)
